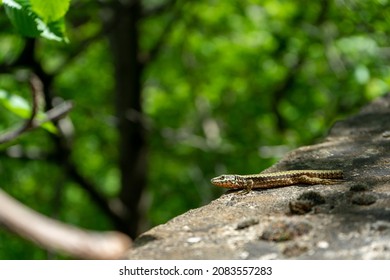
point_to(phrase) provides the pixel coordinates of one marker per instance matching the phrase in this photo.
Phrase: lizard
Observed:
(278, 179)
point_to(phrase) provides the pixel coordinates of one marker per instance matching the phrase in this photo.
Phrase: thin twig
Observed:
(32, 122)
(36, 90)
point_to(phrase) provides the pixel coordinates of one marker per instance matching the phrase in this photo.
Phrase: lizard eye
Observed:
(222, 177)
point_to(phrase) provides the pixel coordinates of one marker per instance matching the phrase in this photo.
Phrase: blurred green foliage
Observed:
(236, 85)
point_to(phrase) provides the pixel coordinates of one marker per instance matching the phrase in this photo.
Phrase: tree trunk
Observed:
(132, 141)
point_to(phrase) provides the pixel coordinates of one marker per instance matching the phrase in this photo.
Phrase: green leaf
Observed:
(50, 127)
(53, 31)
(20, 107)
(15, 104)
(30, 24)
(22, 18)
(50, 10)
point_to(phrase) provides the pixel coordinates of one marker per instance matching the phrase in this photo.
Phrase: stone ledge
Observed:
(346, 221)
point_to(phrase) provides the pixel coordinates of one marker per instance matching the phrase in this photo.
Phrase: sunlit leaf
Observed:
(53, 31)
(30, 24)
(50, 10)
(50, 127)
(20, 107)
(15, 104)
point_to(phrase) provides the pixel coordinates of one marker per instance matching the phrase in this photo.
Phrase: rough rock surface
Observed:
(350, 220)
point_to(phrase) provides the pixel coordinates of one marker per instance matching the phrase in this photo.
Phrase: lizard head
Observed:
(224, 181)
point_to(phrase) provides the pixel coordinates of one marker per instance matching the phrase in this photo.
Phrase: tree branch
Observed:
(62, 155)
(100, 200)
(54, 235)
(112, 209)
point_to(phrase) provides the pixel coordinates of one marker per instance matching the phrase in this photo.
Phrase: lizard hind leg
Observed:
(319, 181)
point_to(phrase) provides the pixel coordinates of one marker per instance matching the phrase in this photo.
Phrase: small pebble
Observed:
(186, 228)
(323, 244)
(194, 239)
